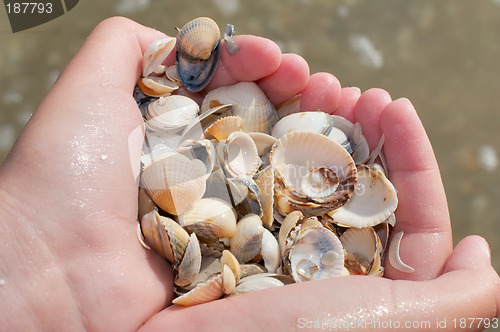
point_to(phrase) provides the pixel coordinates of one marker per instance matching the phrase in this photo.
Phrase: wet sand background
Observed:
(442, 55)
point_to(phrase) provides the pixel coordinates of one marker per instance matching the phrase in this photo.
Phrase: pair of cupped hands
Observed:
(69, 255)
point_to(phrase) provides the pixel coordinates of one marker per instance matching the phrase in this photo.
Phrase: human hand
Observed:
(68, 249)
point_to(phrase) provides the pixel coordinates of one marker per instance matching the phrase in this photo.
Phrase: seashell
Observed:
(358, 143)
(394, 257)
(364, 245)
(285, 235)
(318, 122)
(194, 130)
(270, 251)
(231, 46)
(170, 113)
(290, 106)
(340, 137)
(201, 152)
(265, 182)
(249, 102)
(261, 281)
(316, 254)
(210, 219)
(156, 52)
(198, 52)
(373, 202)
(323, 180)
(223, 127)
(245, 195)
(246, 242)
(165, 236)
(210, 290)
(264, 143)
(146, 204)
(251, 269)
(172, 74)
(174, 182)
(209, 267)
(228, 280)
(190, 264)
(238, 154)
(230, 261)
(156, 86)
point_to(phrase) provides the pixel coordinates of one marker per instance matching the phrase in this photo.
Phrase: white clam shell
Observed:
(156, 52)
(358, 143)
(156, 86)
(170, 113)
(270, 251)
(247, 241)
(316, 254)
(318, 122)
(190, 264)
(249, 102)
(230, 260)
(210, 218)
(238, 154)
(261, 281)
(174, 182)
(373, 202)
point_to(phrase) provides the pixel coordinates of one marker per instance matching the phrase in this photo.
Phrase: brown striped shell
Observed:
(198, 38)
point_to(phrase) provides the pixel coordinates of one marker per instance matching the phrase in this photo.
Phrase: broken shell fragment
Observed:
(156, 52)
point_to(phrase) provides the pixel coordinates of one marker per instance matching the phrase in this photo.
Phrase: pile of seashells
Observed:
(239, 196)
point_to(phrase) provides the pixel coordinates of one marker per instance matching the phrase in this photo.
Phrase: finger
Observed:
(322, 93)
(422, 211)
(356, 303)
(368, 111)
(290, 78)
(348, 99)
(472, 253)
(257, 58)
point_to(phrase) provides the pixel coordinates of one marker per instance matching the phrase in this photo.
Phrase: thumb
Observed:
(472, 253)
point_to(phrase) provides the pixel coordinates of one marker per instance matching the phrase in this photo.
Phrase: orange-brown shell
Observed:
(198, 38)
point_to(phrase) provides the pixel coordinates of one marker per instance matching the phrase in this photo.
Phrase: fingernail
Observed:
(356, 89)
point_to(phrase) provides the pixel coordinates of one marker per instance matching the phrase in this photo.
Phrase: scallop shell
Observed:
(316, 254)
(190, 264)
(156, 86)
(198, 38)
(170, 113)
(223, 127)
(249, 102)
(156, 52)
(209, 218)
(318, 122)
(165, 236)
(174, 182)
(246, 242)
(373, 202)
(325, 179)
(210, 290)
(198, 53)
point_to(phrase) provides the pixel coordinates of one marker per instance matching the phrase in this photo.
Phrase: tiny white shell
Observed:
(394, 257)
(170, 113)
(156, 52)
